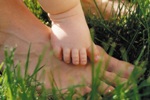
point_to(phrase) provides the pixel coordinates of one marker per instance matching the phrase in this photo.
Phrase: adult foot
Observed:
(61, 74)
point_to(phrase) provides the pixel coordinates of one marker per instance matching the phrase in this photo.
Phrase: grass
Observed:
(124, 37)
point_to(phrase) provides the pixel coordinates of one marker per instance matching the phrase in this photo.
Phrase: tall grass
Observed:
(130, 34)
(124, 37)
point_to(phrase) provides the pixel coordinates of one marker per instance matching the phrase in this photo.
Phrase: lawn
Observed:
(125, 37)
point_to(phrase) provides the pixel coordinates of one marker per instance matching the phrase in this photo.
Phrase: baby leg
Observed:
(70, 36)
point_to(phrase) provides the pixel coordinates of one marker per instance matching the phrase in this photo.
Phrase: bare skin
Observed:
(107, 7)
(19, 32)
(70, 36)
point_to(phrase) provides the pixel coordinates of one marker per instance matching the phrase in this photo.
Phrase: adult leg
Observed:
(106, 7)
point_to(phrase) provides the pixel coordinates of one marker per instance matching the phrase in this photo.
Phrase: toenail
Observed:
(97, 58)
(130, 68)
(67, 61)
(76, 63)
(83, 62)
(109, 90)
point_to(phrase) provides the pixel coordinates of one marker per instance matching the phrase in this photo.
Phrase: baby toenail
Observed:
(68, 62)
(76, 63)
(83, 63)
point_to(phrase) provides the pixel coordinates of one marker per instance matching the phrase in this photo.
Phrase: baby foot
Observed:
(70, 37)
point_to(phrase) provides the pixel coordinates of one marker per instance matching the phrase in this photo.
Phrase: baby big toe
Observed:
(66, 55)
(93, 53)
(75, 56)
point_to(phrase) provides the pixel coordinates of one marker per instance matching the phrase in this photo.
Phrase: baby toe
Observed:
(83, 57)
(66, 55)
(75, 56)
(58, 52)
(93, 53)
